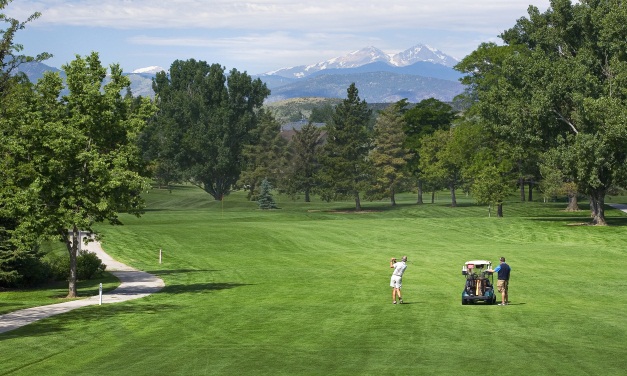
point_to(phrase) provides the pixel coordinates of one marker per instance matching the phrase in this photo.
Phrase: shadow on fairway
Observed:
(179, 271)
(201, 287)
(582, 221)
(94, 313)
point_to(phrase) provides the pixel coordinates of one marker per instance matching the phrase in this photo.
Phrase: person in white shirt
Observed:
(397, 278)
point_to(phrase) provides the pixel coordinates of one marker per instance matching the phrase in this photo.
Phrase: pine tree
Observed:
(266, 201)
(305, 148)
(389, 156)
(345, 170)
(265, 156)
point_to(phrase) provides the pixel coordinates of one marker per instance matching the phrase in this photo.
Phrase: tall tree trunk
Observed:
(433, 197)
(572, 202)
(453, 198)
(419, 201)
(307, 198)
(597, 203)
(522, 189)
(499, 210)
(530, 191)
(72, 247)
(392, 196)
(357, 202)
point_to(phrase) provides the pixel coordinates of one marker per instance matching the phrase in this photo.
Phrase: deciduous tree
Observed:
(423, 119)
(206, 119)
(75, 161)
(561, 76)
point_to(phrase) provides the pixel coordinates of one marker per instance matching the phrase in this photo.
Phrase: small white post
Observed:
(159, 255)
(100, 293)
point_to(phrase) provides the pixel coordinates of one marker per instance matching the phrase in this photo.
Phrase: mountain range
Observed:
(369, 55)
(417, 73)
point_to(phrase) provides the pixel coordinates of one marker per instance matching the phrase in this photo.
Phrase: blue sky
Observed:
(256, 36)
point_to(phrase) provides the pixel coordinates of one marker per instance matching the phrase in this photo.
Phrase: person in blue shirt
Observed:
(502, 283)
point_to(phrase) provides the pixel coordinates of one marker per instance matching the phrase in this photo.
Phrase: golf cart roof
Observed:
(479, 263)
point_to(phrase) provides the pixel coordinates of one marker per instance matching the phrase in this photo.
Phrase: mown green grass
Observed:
(304, 290)
(53, 292)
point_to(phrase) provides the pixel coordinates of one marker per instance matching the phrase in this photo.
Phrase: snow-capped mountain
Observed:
(153, 69)
(368, 55)
(422, 52)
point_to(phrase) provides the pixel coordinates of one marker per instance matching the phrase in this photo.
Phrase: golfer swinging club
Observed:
(397, 278)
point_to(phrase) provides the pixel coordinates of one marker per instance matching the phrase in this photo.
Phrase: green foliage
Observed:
(560, 76)
(265, 157)
(425, 118)
(322, 114)
(88, 266)
(74, 161)
(204, 121)
(345, 169)
(304, 162)
(491, 187)
(10, 52)
(273, 294)
(315, 109)
(266, 201)
(389, 156)
(22, 268)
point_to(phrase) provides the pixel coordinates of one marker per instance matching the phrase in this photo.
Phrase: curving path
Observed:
(622, 207)
(134, 284)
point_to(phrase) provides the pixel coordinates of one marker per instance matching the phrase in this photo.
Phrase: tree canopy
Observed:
(560, 79)
(205, 118)
(345, 170)
(389, 155)
(74, 161)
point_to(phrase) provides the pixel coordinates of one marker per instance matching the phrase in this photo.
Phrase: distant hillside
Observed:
(295, 112)
(378, 82)
(375, 87)
(35, 70)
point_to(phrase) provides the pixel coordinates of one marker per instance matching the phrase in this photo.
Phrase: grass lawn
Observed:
(304, 290)
(53, 293)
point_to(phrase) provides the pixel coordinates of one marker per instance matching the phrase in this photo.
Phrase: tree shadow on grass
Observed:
(201, 287)
(582, 220)
(179, 271)
(57, 324)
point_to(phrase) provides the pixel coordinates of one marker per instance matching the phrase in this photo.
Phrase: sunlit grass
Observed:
(304, 290)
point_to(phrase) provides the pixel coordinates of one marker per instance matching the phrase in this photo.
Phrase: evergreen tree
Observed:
(265, 156)
(305, 149)
(266, 201)
(389, 155)
(345, 170)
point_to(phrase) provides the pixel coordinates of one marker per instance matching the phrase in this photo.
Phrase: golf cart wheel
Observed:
(464, 301)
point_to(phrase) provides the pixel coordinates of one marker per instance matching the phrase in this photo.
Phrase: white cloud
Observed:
(328, 15)
(269, 34)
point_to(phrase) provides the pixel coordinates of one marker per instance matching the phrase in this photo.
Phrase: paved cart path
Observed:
(622, 207)
(134, 284)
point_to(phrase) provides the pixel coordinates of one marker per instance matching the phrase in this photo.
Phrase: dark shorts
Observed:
(501, 285)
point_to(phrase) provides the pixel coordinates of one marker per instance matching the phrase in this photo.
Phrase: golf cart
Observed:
(479, 282)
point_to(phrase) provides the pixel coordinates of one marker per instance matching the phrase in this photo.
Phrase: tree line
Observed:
(544, 110)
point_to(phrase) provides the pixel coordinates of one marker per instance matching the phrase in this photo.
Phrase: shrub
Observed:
(88, 266)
